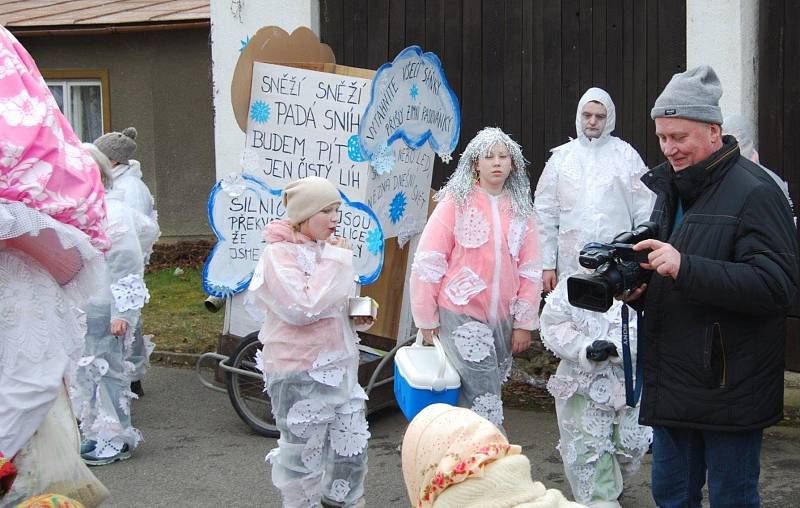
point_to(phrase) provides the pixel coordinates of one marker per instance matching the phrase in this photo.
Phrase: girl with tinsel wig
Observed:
(476, 277)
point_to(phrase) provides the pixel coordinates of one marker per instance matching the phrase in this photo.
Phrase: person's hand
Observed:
(520, 340)
(549, 280)
(630, 296)
(428, 333)
(338, 241)
(600, 350)
(119, 327)
(663, 257)
(362, 320)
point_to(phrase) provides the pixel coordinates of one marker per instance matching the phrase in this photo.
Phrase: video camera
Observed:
(616, 269)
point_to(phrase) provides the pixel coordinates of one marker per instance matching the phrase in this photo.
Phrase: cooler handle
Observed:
(438, 383)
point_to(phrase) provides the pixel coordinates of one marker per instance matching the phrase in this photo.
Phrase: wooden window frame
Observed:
(78, 74)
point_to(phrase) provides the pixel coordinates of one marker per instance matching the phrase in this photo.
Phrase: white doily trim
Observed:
(466, 284)
(472, 228)
(130, 293)
(349, 434)
(430, 266)
(474, 341)
(490, 406)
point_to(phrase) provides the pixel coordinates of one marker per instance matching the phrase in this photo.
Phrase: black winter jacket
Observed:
(714, 346)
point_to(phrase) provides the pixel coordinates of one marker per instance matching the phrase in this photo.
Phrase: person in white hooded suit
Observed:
(589, 191)
(127, 172)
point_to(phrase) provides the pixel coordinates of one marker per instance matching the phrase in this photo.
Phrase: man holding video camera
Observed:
(724, 274)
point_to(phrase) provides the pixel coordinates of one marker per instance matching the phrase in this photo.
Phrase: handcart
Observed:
(245, 384)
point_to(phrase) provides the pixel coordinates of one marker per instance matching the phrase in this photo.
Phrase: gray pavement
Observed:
(198, 453)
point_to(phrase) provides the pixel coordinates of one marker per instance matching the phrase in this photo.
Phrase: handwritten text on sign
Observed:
(238, 220)
(305, 123)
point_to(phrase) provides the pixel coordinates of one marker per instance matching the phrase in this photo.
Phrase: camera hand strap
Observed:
(632, 389)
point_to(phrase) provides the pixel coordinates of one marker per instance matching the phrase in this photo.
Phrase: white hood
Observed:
(601, 96)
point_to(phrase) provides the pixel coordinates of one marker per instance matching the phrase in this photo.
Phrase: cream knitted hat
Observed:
(307, 196)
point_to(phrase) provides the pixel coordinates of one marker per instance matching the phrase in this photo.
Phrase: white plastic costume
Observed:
(601, 440)
(128, 179)
(300, 290)
(477, 274)
(589, 192)
(100, 391)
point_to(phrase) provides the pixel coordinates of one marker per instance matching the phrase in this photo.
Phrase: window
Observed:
(82, 95)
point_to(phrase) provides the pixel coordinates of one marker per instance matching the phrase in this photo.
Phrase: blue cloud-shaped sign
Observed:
(237, 217)
(411, 100)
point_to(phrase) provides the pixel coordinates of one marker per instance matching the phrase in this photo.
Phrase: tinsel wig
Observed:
(462, 181)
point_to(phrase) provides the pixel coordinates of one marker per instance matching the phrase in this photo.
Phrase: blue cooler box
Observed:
(423, 376)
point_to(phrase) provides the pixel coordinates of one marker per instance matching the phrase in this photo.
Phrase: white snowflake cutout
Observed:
(307, 417)
(532, 270)
(430, 266)
(472, 228)
(233, 184)
(597, 422)
(601, 390)
(328, 368)
(339, 490)
(490, 406)
(349, 434)
(130, 293)
(516, 232)
(307, 259)
(561, 387)
(464, 286)
(474, 341)
(259, 361)
(358, 393)
(312, 452)
(522, 310)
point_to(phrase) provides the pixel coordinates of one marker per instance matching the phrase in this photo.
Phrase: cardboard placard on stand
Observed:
(303, 50)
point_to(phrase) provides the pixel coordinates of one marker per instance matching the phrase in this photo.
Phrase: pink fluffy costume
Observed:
(477, 274)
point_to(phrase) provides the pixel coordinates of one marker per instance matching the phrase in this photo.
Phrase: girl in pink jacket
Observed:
(302, 284)
(476, 277)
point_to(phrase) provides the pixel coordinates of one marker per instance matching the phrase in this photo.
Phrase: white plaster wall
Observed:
(724, 34)
(232, 21)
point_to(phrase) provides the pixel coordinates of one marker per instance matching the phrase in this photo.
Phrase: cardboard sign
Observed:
(410, 100)
(240, 207)
(237, 215)
(303, 122)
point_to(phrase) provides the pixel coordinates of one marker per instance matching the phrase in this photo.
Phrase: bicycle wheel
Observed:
(246, 392)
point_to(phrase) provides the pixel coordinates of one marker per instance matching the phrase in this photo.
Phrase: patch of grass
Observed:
(176, 315)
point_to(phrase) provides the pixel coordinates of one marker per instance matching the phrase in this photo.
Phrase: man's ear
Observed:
(716, 132)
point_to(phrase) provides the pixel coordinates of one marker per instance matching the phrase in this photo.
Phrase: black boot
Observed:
(136, 387)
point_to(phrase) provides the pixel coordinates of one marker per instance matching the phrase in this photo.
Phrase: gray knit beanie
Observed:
(118, 146)
(693, 95)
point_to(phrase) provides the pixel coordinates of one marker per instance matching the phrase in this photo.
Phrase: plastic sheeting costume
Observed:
(100, 393)
(477, 274)
(601, 442)
(52, 214)
(589, 192)
(128, 179)
(310, 366)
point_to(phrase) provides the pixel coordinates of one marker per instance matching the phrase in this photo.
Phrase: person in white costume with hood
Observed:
(589, 190)
(127, 172)
(100, 391)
